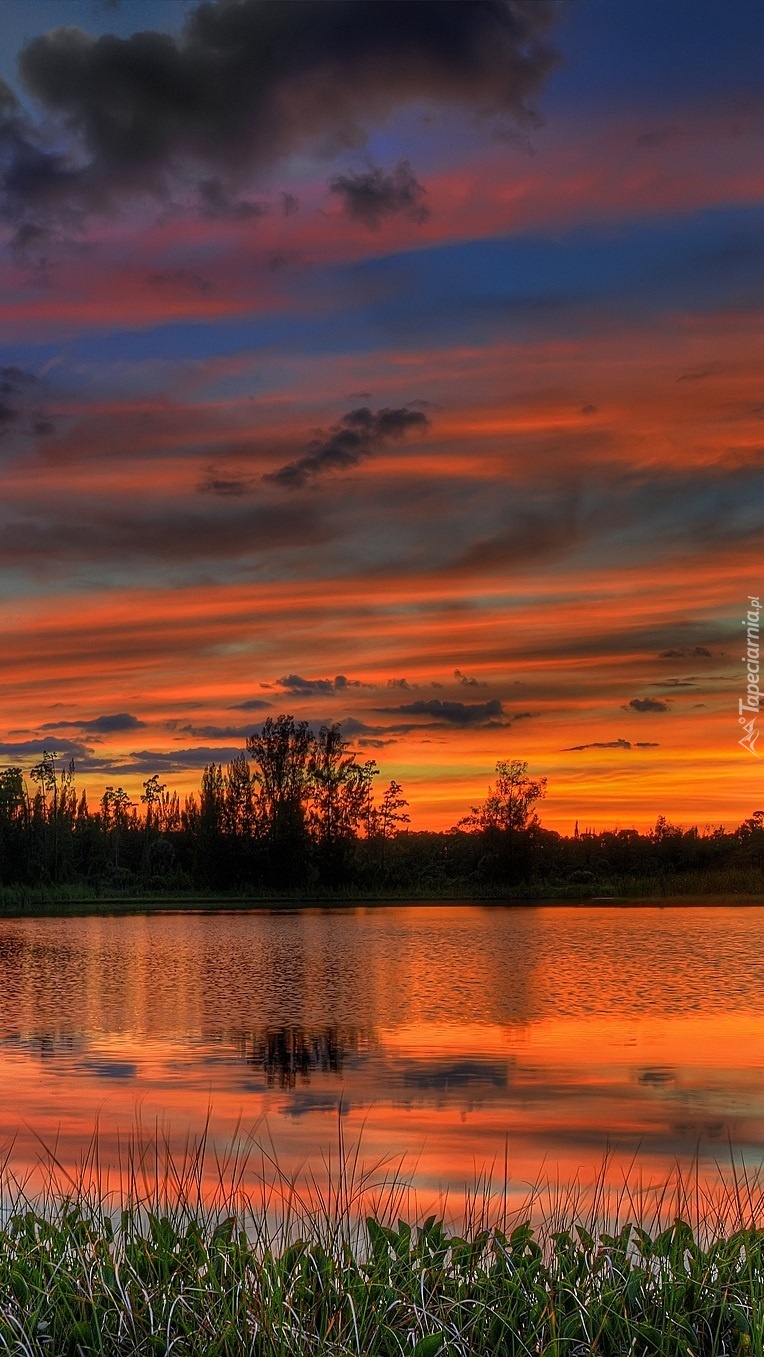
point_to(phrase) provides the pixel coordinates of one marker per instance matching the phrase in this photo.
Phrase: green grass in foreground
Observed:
(83, 1275)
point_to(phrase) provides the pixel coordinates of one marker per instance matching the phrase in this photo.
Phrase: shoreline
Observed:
(212, 904)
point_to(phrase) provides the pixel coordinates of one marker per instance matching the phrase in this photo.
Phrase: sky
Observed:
(395, 364)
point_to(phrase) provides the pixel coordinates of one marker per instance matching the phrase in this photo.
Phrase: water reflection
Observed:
(433, 1031)
(290, 1055)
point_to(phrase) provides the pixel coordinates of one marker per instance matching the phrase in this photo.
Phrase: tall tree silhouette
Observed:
(506, 817)
(281, 755)
(341, 797)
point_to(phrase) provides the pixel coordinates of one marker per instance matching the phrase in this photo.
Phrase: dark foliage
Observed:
(297, 812)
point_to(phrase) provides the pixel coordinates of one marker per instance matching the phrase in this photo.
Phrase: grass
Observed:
(738, 886)
(163, 1265)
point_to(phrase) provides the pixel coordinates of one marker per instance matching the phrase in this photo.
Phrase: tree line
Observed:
(299, 810)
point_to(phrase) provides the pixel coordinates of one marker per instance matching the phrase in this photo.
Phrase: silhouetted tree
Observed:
(340, 797)
(510, 802)
(384, 820)
(240, 809)
(281, 755)
(115, 806)
(506, 817)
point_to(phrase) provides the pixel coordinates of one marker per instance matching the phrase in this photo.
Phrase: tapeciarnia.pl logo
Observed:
(750, 706)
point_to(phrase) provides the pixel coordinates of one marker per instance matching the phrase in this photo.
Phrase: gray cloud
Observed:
(243, 85)
(611, 744)
(252, 704)
(103, 725)
(218, 732)
(647, 704)
(217, 201)
(14, 380)
(229, 487)
(159, 760)
(351, 726)
(696, 375)
(294, 683)
(686, 652)
(19, 394)
(20, 749)
(358, 435)
(538, 532)
(466, 681)
(372, 195)
(168, 535)
(453, 713)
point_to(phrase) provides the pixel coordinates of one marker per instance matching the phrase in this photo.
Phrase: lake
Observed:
(452, 1038)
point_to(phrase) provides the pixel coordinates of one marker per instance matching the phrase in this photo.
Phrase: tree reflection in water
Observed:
(291, 1055)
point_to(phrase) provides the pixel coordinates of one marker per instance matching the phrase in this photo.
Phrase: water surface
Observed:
(452, 1035)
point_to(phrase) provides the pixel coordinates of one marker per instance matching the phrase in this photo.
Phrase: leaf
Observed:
(430, 1345)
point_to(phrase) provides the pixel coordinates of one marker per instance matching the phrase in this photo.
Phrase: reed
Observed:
(202, 1252)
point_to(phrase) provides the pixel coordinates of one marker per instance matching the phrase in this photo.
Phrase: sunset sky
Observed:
(396, 364)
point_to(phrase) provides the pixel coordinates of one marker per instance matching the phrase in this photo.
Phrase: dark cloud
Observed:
(18, 396)
(216, 201)
(686, 652)
(160, 761)
(351, 726)
(538, 532)
(611, 744)
(373, 195)
(676, 683)
(218, 732)
(359, 434)
(14, 380)
(102, 725)
(122, 720)
(468, 682)
(245, 84)
(289, 204)
(647, 704)
(252, 704)
(21, 749)
(453, 713)
(179, 535)
(229, 487)
(696, 375)
(294, 683)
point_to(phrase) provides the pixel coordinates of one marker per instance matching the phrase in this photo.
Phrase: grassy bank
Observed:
(78, 1277)
(738, 887)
